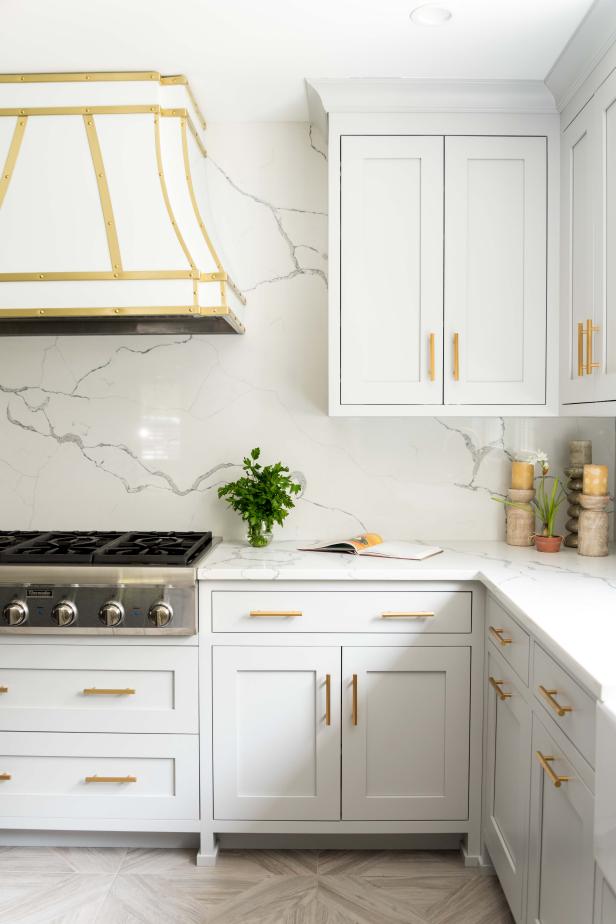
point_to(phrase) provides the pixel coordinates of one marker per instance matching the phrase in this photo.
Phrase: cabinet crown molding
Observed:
(404, 94)
(584, 51)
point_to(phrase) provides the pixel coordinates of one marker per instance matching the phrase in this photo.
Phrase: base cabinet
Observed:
(405, 733)
(561, 869)
(281, 743)
(507, 781)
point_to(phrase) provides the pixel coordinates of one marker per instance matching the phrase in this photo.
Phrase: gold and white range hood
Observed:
(105, 223)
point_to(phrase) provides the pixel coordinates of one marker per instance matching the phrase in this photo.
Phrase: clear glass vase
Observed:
(258, 536)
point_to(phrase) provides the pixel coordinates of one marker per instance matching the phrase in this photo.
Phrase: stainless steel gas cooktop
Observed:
(100, 583)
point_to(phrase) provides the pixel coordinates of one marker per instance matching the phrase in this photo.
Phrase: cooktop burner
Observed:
(102, 548)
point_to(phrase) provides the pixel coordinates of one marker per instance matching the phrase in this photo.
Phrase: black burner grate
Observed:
(10, 539)
(102, 548)
(76, 548)
(154, 549)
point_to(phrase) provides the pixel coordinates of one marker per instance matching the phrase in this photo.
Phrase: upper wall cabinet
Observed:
(443, 249)
(588, 320)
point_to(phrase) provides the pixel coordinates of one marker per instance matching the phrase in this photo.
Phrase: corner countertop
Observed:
(566, 601)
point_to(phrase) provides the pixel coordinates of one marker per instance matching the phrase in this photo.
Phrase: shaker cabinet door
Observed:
(405, 733)
(578, 257)
(391, 286)
(495, 270)
(276, 735)
(604, 338)
(507, 781)
(561, 863)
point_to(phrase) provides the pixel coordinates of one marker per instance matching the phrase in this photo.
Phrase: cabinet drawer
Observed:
(98, 688)
(64, 776)
(510, 639)
(341, 611)
(570, 707)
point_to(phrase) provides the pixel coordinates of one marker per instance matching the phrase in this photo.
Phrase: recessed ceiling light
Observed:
(428, 15)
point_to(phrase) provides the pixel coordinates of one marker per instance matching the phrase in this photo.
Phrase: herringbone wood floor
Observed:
(113, 886)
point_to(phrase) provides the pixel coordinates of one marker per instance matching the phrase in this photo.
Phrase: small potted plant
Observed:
(548, 500)
(262, 496)
(549, 497)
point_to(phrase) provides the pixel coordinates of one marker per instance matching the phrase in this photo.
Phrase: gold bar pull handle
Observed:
(581, 333)
(553, 777)
(497, 684)
(275, 614)
(328, 699)
(100, 691)
(456, 357)
(549, 696)
(590, 330)
(111, 779)
(419, 614)
(5, 776)
(354, 713)
(4, 689)
(431, 367)
(498, 635)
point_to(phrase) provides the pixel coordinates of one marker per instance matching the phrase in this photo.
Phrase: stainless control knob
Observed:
(64, 613)
(160, 614)
(111, 614)
(15, 613)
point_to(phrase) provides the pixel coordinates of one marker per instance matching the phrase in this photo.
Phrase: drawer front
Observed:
(99, 776)
(421, 611)
(98, 688)
(509, 638)
(567, 703)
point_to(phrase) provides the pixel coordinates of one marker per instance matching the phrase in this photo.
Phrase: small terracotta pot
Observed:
(548, 543)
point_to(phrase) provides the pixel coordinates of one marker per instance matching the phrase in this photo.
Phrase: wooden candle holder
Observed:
(520, 520)
(593, 525)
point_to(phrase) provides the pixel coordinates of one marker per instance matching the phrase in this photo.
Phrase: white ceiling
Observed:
(246, 59)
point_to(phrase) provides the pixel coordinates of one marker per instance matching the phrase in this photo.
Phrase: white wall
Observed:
(133, 432)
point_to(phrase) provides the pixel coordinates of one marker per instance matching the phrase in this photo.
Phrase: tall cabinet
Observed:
(588, 260)
(443, 230)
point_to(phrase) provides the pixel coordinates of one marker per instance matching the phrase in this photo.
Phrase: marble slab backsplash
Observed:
(137, 432)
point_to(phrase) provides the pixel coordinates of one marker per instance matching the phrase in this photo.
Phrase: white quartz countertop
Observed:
(568, 602)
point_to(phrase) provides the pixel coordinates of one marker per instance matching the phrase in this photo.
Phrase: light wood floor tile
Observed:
(479, 901)
(33, 899)
(390, 862)
(421, 893)
(149, 899)
(355, 897)
(276, 900)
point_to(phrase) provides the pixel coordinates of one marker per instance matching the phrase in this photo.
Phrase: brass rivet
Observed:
(22, 78)
(41, 275)
(115, 275)
(41, 311)
(116, 310)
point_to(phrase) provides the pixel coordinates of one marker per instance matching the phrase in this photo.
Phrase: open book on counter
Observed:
(373, 546)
